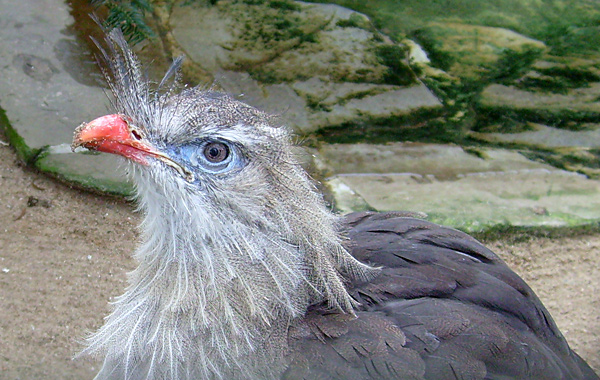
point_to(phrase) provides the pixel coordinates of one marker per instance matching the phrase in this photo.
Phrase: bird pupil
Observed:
(216, 152)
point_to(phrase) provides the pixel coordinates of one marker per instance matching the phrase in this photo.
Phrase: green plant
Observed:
(129, 16)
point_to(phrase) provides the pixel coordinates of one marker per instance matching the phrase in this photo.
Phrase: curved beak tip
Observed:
(111, 134)
(106, 128)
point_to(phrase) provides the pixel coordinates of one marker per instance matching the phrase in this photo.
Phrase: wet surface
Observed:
(35, 67)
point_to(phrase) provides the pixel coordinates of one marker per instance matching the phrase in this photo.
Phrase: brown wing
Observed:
(444, 307)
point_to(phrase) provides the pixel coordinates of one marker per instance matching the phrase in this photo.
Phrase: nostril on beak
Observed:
(136, 134)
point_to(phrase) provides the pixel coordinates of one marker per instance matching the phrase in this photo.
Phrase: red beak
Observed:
(112, 134)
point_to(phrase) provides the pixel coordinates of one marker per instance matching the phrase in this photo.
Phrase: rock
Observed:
(545, 137)
(383, 105)
(470, 192)
(318, 65)
(277, 99)
(103, 173)
(416, 53)
(42, 97)
(321, 66)
(325, 94)
(576, 106)
(470, 50)
(480, 201)
(444, 162)
(346, 199)
(277, 41)
(510, 109)
(49, 84)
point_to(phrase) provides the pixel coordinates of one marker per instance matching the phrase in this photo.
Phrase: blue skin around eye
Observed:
(192, 157)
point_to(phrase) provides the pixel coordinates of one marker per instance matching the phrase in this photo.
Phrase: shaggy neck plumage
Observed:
(216, 289)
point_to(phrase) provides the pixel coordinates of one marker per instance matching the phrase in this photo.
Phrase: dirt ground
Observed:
(64, 254)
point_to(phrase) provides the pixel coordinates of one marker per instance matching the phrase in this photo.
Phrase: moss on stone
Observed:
(24, 152)
(512, 64)
(276, 43)
(511, 120)
(355, 21)
(566, 28)
(423, 125)
(569, 159)
(518, 234)
(394, 57)
(476, 151)
(558, 79)
(430, 41)
(286, 5)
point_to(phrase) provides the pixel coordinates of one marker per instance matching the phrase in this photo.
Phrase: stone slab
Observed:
(543, 136)
(94, 171)
(330, 77)
(48, 83)
(480, 201)
(441, 161)
(393, 103)
(510, 97)
(452, 187)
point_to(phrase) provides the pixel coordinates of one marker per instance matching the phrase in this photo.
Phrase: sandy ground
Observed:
(64, 254)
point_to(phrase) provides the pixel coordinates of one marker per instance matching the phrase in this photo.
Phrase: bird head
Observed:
(221, 191)
(201, 153)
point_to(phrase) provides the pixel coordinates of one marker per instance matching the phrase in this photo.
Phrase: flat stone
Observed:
(509, 97)
(475, 47)
(543, 136)
(346, 199)
(277, 99)
(395, 103)
(303, 65)
(483, 200)
(346, 102)
(100, 172)
(47, 84)
(459, 189)
(331, 93)
(242, 36)
(210, 50)
(416, 53)
(446, 162)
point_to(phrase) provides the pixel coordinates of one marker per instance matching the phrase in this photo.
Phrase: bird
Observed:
(244, 272)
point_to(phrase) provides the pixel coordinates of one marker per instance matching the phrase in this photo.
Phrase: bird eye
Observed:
(209, 156)
(216, 152)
